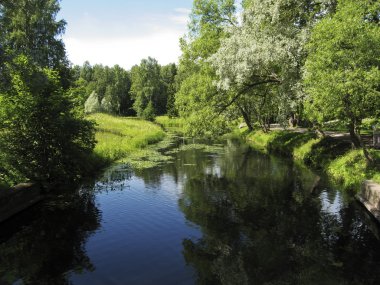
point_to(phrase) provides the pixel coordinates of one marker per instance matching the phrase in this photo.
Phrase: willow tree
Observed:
(265, 54)
(342, 72)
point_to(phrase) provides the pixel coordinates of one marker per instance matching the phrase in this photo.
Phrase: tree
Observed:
(147, 87)
(196, 95)
(43, 139)
(110, 102)
(342, 69)
(30, 27)
(110, 84)
(168, 74)
(92, 104)
(266, 53)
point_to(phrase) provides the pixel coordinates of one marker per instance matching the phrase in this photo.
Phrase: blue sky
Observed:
(124, 31)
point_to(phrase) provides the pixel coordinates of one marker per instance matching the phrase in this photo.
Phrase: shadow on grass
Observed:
(325, 151)
(284, 143)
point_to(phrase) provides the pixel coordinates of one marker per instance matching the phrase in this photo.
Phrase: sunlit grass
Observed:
(347, 166)
(120, 137)
(352, 168)
(304, 150)
(171, 124)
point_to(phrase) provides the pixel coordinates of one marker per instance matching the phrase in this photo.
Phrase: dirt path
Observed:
(343, 136)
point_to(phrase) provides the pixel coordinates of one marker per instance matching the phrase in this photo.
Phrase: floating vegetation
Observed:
(216, 148)
(152, 155)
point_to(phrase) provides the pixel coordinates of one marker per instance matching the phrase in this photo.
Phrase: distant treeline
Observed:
(147, 90)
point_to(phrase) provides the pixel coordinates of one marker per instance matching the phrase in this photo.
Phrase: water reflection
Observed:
(266, 222)
(223, 216)
(41, 245)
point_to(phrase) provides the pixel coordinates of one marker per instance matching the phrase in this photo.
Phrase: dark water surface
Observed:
(224, 215)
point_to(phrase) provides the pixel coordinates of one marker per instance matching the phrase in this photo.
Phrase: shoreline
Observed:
(330, 155)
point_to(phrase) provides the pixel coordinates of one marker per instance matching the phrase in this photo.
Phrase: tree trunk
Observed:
(247, 120)
(354, 130)
(354, 137)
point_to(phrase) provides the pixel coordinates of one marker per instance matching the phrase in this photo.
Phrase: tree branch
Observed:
(244, 90)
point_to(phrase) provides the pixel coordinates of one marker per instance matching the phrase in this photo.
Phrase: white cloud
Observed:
(183, 11)
(183, 19)
(125, 52)
(156, 36)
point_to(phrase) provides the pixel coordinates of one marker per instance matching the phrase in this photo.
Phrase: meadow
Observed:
(120, 137)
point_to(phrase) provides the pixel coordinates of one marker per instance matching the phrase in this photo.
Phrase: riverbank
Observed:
(124, 140)
(330, 154)
(129, 140)
(171, 124)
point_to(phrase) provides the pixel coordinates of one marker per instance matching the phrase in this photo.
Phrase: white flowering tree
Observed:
(266, 53)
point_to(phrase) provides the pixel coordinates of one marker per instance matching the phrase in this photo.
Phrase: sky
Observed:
(123, 32)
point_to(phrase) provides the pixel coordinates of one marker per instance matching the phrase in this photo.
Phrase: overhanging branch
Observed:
(245, 90)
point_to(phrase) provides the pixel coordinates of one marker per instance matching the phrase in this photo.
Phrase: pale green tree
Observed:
(265, 54)
(92, 104)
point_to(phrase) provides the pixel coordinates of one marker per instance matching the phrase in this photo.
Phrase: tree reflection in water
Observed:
(250, 219)
(52, 243)
(263, 222)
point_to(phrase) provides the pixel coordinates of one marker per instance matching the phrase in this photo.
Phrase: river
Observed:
(221, 214)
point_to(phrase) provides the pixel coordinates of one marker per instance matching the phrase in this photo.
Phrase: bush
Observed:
(43, 138)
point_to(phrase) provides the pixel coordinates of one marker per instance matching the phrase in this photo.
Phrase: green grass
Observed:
(119, 138)
(302, 152)
(261, 140)
(280, 142)
(171, 124)
(332, 155)
(352, 168)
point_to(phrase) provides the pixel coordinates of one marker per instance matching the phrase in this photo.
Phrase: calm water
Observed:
(219, 216)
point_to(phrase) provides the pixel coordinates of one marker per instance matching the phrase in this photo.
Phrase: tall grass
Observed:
(171, 124)
(352, 168)
(119, 137)
(334, 156)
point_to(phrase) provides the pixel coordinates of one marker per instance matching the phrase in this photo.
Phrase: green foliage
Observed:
(110, 103)
(261, 140)
(168, 74)
(43, 139)
(110, 84)
(331, 154)
(197, 98)
(342, 69)
(147, 88)
(285, 143)
(29, 27)
(148, 113)
(352, 168)
(168, 122)
(280, 142)
(370, 123)
(303, 151)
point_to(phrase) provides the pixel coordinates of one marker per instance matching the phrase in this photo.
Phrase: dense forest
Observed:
(301, 62)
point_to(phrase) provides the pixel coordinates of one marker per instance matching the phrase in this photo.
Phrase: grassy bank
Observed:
(171, 124)
(121, 139)
(334, 156)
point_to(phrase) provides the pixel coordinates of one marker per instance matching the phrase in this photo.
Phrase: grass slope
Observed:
(119, 138)
(171, 124)
(334, 156)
